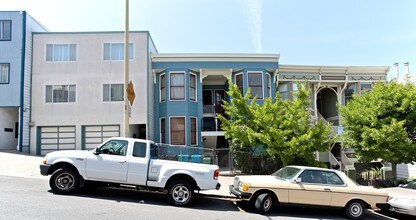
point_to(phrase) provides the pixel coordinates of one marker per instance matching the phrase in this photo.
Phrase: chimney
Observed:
(406, 71)
(396, 70)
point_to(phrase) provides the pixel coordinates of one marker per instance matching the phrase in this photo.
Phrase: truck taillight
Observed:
(216, 174)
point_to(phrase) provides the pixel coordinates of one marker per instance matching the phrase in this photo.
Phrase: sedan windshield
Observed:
(411, 185)
(286, 173)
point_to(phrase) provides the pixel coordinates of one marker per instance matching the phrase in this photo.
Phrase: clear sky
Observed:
(304, 32)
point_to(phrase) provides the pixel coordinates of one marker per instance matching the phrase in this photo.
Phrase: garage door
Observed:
(54, 138)
(94, 135)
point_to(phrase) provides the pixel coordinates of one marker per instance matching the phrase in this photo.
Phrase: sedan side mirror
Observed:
(298, 180)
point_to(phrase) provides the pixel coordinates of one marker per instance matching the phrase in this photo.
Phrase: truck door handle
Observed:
(122, 161)
(327, 189)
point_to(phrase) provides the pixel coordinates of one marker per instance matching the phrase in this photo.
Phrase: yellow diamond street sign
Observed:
(130, 93)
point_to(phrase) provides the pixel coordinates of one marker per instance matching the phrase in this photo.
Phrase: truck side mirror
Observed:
(96, 151)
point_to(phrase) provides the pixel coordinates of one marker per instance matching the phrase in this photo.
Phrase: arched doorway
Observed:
(326, 104)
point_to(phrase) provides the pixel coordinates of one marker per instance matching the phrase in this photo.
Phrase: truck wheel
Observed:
(180, 193)
(64, 181)
(355, 210)
(263, 203)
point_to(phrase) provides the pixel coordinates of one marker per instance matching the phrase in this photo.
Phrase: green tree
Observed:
(382, 124)
(281, 129)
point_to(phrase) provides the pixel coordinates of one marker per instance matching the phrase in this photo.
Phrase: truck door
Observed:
(138, 164)
(108, 162)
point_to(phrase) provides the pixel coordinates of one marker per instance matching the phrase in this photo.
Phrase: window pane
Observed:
(131, 51)
(49, 52)
(177, 128)
(60, 93)
(107, 51)
(254, 79)
(177, 93)
(117, 52)
(61, 52)
(73, 52)
(5, 30)
(257, 92)
(48, 95)
(106, 92)
(139, 149)
(72, 93)
(4, 73)
(192, 95)
(162, 130)
(162, 88)
(239, 82)
(193, 131)
(192, 90)
(117, 92)
(177, 79)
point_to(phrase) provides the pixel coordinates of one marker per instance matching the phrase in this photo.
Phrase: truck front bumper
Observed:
(238, 193)
(44, 168)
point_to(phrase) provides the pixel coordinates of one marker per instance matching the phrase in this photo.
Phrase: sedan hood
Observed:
(260, 180)
(401, 192)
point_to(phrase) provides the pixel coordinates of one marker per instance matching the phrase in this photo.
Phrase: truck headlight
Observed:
(45, 159)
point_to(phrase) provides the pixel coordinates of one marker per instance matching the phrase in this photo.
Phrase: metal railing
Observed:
(208, 109)
(211, 124)
(334, 161)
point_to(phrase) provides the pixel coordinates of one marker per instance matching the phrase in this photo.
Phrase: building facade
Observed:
(78, 90)
(16, 29)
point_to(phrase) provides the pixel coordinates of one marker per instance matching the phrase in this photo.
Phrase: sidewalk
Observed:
(14, 163)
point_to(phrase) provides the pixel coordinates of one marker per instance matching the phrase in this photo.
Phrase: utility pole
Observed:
(126, 74)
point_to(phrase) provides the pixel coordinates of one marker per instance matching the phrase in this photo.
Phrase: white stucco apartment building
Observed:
(77, 94)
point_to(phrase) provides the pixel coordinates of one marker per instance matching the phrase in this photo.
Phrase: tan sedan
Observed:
(308, 186)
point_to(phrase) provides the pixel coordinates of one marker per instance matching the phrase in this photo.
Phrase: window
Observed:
(284, 91)
(115, 51)
(239, 82)
(349, 91)
(4, 73)
(5, 30)
(255, 82)
(162, 88)
(365, 88)
(192, 87)
(193, 131)
(60, 93)
(139, 149)
(162, 130)
(114, 147)
(113, 92)
(61, 52)
(177, 130)
(177, 86)
(269, 90)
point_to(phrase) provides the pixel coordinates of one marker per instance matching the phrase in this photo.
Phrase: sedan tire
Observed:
(355, 209)
(263, 203)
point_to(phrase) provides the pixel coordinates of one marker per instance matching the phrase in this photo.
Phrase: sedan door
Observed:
(310, 189)
(108, 162)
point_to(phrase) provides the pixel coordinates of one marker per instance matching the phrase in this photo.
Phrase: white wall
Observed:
(406, 171)
(8, 118)
(89, 72)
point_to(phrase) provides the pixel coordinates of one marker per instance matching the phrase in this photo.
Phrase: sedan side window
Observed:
(114, 147)
(313, 176)
(333, 179)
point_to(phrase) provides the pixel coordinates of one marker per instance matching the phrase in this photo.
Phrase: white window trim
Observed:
(160, 87)
(190, 134)
(170, 132)
(262, 82)
(53, 51)
(110, 60)
(196, 87)
(235, 81)
(184, 86)
(270, 80)
(160, 129)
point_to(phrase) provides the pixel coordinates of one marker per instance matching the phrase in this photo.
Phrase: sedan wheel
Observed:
(263, 203)
(355, 210)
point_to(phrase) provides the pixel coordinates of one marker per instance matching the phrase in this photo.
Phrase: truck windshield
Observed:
(286, 173)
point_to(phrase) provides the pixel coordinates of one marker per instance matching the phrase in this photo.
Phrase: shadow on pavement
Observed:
(200, 202)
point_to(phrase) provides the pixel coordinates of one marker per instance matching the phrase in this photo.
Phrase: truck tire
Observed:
(180, 193)
(355, 209)
(263, 203)
(64, 181)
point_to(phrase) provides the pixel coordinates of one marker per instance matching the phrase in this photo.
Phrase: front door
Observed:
(109, 163)
(311, 190)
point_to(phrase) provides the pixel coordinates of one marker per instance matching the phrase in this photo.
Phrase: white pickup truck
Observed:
(131, 162)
